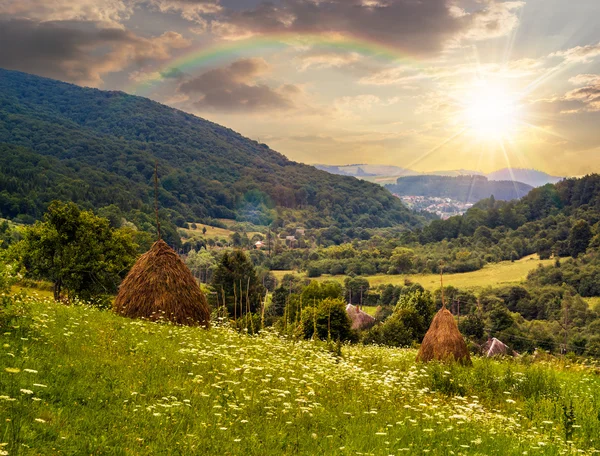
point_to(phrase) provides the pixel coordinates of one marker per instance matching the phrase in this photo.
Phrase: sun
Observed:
(491, 112)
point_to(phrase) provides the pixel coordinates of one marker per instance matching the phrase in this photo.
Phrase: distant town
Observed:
(443, 207)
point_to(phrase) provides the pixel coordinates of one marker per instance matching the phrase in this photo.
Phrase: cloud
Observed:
(78, 51)
(581, 54)
(588, 97)
(234, 89)
(192, 10)
(584, 79)
(317, 58)
(106, 12)
(418, 27)
(496, 20)
(355, 106)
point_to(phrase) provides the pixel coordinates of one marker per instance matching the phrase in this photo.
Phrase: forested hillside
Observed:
(467, 189)
(61, 141)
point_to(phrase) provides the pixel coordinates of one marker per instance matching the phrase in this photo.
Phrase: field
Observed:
(496, 274)
(75, 380)
(213, 232)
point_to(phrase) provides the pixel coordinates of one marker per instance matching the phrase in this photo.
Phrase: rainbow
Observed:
(215, 53)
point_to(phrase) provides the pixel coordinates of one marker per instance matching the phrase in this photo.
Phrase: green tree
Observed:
(316, 291)
(356, 288)
(236, 278)
(416, 309)
(402, 260)
(77, 251)
(332, 321)
(579, 238)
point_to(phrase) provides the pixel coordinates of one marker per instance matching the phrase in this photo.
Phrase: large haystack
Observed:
(443, 341)
(360, 320)
(161, 287)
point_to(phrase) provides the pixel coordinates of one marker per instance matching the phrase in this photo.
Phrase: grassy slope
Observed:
(89, 382)
(491, 275)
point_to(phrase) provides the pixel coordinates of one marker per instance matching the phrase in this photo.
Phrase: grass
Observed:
(496, 274)
(75, 380)
(212, 232)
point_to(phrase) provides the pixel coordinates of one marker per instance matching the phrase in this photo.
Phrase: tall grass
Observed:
(75, 380)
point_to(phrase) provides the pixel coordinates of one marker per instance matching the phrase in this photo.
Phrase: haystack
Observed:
(360, 320)
(161, 287)
(443, 341)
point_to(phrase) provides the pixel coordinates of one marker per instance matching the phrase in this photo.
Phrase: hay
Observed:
(161, 287)
(360, 320)
(443, 341)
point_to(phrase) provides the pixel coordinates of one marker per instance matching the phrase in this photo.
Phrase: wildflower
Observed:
(26, 391)
(12, 370)
(40, 385)
(39, 420)
(31, 371)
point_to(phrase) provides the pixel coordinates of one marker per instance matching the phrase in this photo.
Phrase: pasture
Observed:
(76, 380)
(496, 274)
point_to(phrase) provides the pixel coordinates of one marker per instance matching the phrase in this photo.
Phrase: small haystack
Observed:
(494, 347)
(161, 287)
(360, 320)
(443, 341)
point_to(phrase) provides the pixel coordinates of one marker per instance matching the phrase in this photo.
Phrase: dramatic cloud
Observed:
(582, 54)
(234, 88)
(408, 25)
(107, 12)
(497, 19)
(588, 98)
(192, 10)
(78, 51)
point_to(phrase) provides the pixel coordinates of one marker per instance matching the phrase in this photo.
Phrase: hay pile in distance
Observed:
(161, 287)
(360, 320)
(443, 341)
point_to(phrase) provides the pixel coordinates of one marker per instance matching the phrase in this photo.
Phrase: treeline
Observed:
(467, 189)
(99, 148)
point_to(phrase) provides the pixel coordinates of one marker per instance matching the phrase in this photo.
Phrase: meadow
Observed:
(495, 274)
(76, 380)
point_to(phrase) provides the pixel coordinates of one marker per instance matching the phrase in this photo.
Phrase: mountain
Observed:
(99, 148)
(366, 170)
(467, 189)
(387, 174)
(532, 177)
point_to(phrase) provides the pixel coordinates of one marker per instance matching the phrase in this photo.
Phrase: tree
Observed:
(356, 288)
(416, 309)
(579, 238)
(472, 326)
(402, 260)
(77, 251)
(236, 278)
(332, 320)
(201, 263)
(316, 291)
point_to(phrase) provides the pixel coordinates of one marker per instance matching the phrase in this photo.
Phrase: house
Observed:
(300, 231)
(259, 245)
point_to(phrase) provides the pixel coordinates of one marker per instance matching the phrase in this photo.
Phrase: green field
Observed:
(75, 380)
(496, 274)
(212, 232)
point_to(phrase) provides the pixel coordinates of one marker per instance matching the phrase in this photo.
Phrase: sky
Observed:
(421, 84)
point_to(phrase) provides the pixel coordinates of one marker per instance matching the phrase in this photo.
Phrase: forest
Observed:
(100, 148)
